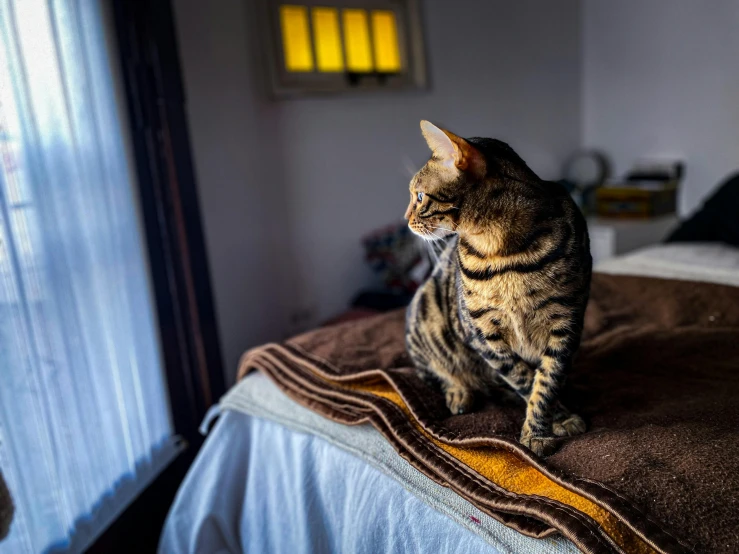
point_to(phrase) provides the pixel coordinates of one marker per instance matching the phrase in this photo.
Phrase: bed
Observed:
(275, 476)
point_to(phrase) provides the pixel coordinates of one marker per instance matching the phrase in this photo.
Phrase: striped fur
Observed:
(506, 301)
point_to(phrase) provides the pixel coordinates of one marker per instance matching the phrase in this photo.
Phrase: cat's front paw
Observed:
(573, 425)
(429, 379)
(459, 400)
(541, 446)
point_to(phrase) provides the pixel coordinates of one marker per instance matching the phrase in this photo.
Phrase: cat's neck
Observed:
(485, 245)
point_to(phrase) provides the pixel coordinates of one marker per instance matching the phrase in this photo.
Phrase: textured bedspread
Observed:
(657, 379)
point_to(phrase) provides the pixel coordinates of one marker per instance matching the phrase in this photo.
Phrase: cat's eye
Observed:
(420, 197)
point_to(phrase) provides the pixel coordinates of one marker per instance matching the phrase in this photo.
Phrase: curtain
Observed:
(84, 416)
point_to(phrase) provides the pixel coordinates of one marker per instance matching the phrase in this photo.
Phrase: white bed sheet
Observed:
(686, 261)
(259, 487)
(274, 435)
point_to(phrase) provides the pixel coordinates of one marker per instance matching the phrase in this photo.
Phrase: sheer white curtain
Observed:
(84, 415)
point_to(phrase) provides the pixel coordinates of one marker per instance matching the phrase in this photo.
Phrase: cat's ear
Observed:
(451, 149)
(439, 142)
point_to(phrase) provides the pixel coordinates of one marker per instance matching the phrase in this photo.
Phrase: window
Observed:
(327, 46)
(85, 421)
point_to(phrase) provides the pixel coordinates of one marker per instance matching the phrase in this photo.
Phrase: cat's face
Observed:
(433, 212)
(437, 190)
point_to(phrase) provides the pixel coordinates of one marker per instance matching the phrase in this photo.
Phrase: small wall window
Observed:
(332, 46)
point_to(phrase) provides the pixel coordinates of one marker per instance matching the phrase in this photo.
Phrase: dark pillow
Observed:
(716, 221)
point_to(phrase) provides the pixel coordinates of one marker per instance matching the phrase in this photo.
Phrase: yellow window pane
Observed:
(296, 38)
(385, 41)
(327, 39)
(357, 40)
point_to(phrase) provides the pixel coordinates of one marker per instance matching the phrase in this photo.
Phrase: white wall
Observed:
(289, 187)
(661, 77)
(235, 142)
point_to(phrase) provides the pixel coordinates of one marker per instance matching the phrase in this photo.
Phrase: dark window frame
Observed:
(170, 209)
(155, 106)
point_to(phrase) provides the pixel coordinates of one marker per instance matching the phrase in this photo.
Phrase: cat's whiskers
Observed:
(408, 165)
(430, 236)
(430, 246)
(442, 228)
(441, 245)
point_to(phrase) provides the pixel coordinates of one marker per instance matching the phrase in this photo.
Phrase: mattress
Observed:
(265, 479)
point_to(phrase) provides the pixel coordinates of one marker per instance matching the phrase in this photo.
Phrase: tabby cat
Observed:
(506, 301)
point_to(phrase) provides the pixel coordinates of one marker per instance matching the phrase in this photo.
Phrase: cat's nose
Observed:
(408, 214)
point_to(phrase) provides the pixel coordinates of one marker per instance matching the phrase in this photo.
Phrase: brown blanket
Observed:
(657, 380)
